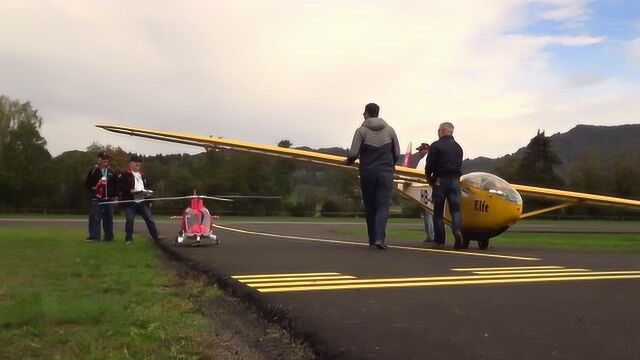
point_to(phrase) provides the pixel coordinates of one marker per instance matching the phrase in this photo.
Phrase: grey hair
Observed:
(447, 126)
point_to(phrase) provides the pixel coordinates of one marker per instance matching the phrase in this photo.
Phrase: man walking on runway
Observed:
(376, 145)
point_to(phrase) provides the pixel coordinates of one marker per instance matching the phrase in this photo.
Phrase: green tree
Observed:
(625, 177)
(587, 175)
(537, 166)
(285, 144)
(25, 172)
(118, 157)
(508, 168)
(13, 113)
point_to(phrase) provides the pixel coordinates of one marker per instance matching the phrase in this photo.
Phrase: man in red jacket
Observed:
(133, 185)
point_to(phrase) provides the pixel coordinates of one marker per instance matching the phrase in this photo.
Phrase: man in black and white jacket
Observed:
(132, 185)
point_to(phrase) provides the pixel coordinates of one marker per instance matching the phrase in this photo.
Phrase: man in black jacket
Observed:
(443, 171)
(133, 185)
(376, 144)
(101, 183)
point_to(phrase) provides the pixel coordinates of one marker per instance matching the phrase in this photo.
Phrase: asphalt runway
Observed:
(411, 302)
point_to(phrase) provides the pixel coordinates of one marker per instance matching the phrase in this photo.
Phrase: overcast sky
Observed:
(263, 71)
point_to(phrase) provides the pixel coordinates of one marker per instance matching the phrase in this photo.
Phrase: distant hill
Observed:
(604, 142)
(330, 151)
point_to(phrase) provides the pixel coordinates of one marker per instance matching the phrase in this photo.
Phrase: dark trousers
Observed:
(446, 188)
(142, 209)
(376, 193)
(100, 214)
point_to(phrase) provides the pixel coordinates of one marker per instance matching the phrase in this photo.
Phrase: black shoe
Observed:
(437, 246)
(91, 240)
(159, 238)
(372, 246)
(459, 241)
(428, 241)
(380, 245)
(108, 239)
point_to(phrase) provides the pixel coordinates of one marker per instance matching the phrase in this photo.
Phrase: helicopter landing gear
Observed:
(179, 238)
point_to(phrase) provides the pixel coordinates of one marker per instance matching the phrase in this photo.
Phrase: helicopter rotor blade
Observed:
(214, 198)
(248, 197)
(146, 199)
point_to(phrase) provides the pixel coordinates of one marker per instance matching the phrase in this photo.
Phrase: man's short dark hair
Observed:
(103, 155)
(135, 158)
(372, 109)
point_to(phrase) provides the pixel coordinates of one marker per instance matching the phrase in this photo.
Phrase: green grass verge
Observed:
(239, 219)
(62, 298)
(588, 242)
(224, 218)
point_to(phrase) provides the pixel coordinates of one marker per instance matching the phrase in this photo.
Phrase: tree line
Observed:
(31, 179)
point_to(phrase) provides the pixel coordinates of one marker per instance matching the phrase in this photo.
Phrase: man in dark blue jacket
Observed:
(376, 144)
(102, 187)
(443, 171)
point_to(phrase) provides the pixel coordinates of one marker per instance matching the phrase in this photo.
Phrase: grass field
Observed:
(231, 219)
(589, 242)
(62, 298)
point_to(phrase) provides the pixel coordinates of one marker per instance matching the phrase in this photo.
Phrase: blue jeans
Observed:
(376, 194)
(428, 224)
(100, 214)
(446, 188)
(142, 209)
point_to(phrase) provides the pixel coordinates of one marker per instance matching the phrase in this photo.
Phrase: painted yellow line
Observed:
(238, 277)
(447, 283)
(353, 243)
(527, 271)
(433, 278)
(508, 268)
(298, 278)
(467, 253)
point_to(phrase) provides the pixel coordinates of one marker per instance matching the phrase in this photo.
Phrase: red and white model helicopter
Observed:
(196, 221)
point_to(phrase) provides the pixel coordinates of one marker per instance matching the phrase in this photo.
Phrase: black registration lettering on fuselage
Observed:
(480, 206)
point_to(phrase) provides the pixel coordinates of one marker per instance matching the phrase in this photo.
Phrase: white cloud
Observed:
(569, 40)
(287, 69)
(560, 10)
(568, 14)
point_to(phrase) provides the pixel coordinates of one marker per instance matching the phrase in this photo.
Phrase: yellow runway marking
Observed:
(283, 275)
(274, 283)
(298, 278)
(260, 286)
(353, 243)
(527, 271)
(448, 283)
(508, 268)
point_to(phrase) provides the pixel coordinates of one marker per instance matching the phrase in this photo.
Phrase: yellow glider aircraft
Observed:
(489, 204)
